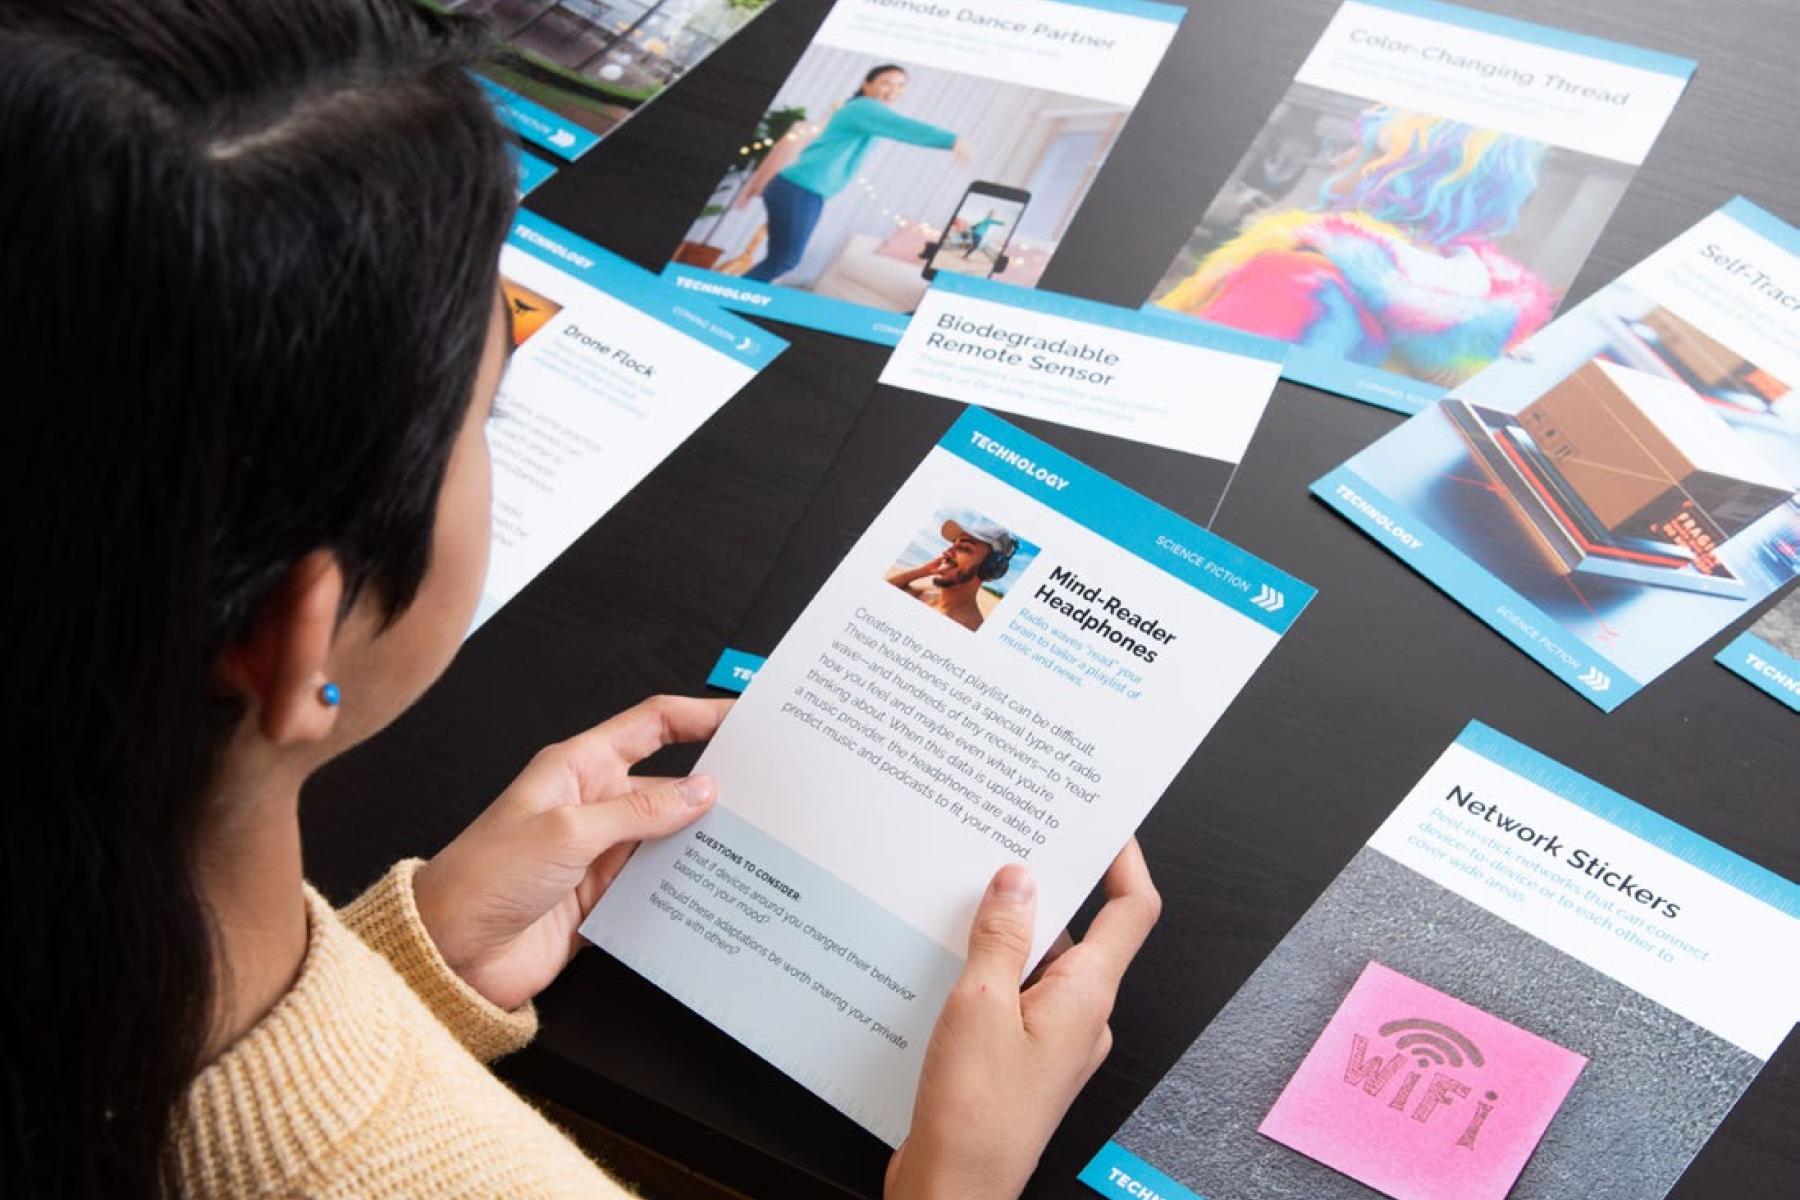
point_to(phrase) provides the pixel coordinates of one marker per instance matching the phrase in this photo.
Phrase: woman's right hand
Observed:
(1005, 1063)
(959, 150)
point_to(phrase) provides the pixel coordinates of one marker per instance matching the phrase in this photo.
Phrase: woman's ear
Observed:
(279, 667)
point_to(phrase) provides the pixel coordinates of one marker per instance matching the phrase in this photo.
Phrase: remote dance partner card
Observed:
(1525, 985)
(915, 140)
(1010, 665)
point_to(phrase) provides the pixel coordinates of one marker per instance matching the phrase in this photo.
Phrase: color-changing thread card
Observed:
(1422, 1096)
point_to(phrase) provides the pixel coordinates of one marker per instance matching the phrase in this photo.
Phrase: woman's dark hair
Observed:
(876, 73)
(249, 252)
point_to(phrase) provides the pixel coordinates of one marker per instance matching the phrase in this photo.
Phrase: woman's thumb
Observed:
(654, 811)
(1000, 938)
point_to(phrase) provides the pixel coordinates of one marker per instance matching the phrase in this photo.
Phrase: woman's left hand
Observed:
(504, 900)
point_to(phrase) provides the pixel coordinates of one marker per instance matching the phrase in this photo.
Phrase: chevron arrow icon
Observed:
(1269, 600)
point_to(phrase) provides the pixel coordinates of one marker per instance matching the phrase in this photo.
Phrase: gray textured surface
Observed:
(1653, 1091)
(1780, 626)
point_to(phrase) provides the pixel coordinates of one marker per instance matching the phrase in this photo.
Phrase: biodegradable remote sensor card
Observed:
(1010, 665)
(1197, 388)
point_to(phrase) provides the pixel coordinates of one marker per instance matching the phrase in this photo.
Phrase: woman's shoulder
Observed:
(350, 1086)
(859, 110)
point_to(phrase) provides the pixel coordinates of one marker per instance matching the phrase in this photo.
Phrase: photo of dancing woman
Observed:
(860, 206)
(795, 197)
(979, 230)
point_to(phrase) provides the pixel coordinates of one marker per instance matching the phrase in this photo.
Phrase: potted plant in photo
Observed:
(775, 125)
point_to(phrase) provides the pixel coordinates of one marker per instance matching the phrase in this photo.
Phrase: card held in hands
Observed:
(1009, 666)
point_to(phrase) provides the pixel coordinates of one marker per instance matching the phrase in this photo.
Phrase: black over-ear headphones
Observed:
(995, 564)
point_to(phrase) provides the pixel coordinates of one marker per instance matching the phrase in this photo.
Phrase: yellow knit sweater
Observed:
(366, 1080)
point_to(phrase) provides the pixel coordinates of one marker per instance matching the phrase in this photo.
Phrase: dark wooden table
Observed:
(1367, 690)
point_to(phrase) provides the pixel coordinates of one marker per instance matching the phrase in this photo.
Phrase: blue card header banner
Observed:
(842, 317)
(1147, 9)
(1764, 223)
(538, 125)
(1765, 665)
(1117, 1172)
(625, 281)
(1164, 539)
(734, 670)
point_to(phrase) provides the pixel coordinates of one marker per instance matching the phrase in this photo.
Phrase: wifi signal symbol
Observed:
(1432, 1042)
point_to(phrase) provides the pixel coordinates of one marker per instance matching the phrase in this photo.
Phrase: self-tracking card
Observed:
(1623, 486)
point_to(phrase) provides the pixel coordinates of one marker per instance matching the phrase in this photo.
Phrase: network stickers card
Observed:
(1525, 985)
(1423, 196)
(1010, 665)
(1422, 1096)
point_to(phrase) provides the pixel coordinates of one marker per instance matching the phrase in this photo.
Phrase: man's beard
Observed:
(956, 580)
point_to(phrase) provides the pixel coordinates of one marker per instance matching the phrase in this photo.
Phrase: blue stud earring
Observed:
(329, 695)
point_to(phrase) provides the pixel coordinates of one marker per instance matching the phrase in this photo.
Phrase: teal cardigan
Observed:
(829, 163)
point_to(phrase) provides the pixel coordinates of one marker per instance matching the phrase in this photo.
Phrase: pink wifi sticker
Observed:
(1421, 1096)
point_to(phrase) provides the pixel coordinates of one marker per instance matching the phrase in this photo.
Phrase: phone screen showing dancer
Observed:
(975, 241)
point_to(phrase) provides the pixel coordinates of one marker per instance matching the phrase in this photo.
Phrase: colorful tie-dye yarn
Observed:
(1442, 181)
(1399, 269)
(1363, 290)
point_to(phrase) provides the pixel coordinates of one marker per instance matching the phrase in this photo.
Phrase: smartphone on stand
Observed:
(978, 232)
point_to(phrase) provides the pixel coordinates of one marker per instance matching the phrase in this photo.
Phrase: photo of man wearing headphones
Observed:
(963, 580)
